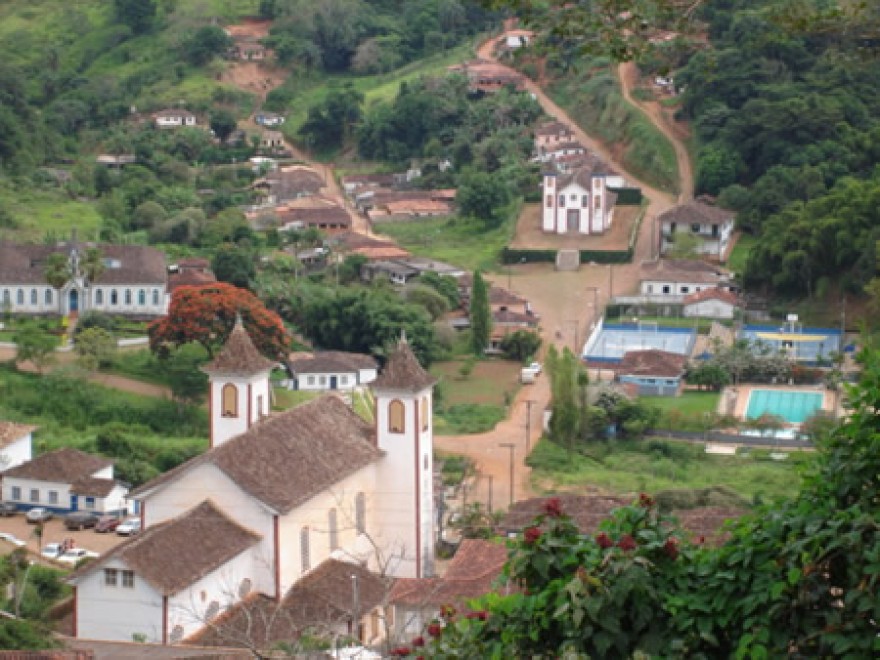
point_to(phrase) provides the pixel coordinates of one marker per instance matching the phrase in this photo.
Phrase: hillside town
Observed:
(452, 370)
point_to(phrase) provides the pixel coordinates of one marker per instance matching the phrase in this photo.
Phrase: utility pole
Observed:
(529, 404)
(490, 477)
(512, 447)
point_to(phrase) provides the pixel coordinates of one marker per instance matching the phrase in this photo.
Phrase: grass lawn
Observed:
(477, 403)
(685, 412)
(41, 213)
(740, 253)
(286, 399)
(464, 243)
(624, 467)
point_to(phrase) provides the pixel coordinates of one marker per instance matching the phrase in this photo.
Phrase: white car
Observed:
(73, 555)
(51, 550)
(14, 540)
(536, 367)
(38, 515)
(129, 527)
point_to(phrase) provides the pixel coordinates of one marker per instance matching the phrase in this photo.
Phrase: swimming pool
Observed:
(793, 407)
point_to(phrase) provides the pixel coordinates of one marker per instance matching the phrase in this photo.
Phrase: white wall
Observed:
(407, 467)
(676, 289)
(44, 488)
(250, 389)
(206, 481)
(16, 452)
(117, 613)
(59, 303)
(188, 609)
(316, 381)
(712, 309)
(314, 514)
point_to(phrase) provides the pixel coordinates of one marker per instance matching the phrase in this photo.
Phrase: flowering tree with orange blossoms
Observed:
(206, 314)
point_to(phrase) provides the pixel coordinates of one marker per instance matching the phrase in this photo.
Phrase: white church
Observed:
(273, 499)
(579, 202)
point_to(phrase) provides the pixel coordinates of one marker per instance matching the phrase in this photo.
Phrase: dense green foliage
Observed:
(796, 579)
(480, 314)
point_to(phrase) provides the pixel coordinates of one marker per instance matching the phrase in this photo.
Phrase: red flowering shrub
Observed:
(480, 615)
(553, 507)
(447, 611)
(646, 501)
(671, 547)
(627, 543)
(435, 629)
(401, 651)
(418, 641)
(531, 535)
(604, 541)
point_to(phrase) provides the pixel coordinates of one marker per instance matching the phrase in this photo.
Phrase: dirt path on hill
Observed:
(675, 132)
(113, 381)
(567, 303)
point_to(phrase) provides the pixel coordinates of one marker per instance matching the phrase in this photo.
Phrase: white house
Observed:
(331, 370)
(133, 280)
(578, 202)
(713, 227)
(308, 484)
(711, 304)
(671, 280)
(174, 118)
(65, 480)
(15, 444)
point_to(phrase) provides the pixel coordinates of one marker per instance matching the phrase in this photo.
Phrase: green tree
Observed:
(95, 348)
(91, 264)
(481, 195)
(480, 314)
(205, 43)
(433, 302)
(521, 345)
(35, 346)
(223, 123)
(188, 383)
(56, 270)
(234, 265)
(136, 14)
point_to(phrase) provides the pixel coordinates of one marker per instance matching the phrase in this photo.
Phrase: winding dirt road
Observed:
(567, 304)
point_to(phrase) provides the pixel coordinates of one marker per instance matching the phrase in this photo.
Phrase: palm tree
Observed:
(92, 264)
(57, 270)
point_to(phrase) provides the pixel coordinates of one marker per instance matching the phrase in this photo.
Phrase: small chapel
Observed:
(277, 500)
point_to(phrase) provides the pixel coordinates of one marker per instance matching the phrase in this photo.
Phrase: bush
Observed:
(468, 418)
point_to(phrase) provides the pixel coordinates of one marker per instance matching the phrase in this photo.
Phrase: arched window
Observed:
(155, 296)
(19, 297)
(48, 296)
(304, 549)
(33, 296)
(142, 297)
(395, 417)
(229, 401)
(562, 200)
(128, 296)
(114, 297)
(426, 414)
(6, 300)
(360, 513)
(99, 296)
(332, 529)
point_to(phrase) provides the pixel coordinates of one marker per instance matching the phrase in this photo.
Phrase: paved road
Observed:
(566, 303)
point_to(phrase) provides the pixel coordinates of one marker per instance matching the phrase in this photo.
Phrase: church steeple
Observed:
(238, 386)
(404, 431)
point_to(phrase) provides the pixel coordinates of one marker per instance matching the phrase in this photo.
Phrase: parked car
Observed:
(80, 520)
(52, 550)
(107, 524)
(129, 527)
(8, 509)
(38, 514)
(73, 555)
(536, 367)
(14, 540)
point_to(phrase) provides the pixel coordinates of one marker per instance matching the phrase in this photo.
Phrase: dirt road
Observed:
(567, 304)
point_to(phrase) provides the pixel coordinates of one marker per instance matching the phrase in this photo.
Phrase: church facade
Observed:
(272, 500)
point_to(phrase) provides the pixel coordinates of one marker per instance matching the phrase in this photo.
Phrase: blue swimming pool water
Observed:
(793, 407)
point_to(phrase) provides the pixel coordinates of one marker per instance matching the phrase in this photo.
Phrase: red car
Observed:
(107, 524)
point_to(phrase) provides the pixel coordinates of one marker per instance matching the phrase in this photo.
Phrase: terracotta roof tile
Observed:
(652, 362)
(291, 456)
(331, 361)
(320, 599)
(60, 466)
(473, 572)
(713, 294)
(92, 487)
(403, 371)
(174, 554)
(12, 431)
(696, 212)
(683, 270)
(238, 355)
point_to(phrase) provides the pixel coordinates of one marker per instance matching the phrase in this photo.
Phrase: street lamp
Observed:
(512, 447)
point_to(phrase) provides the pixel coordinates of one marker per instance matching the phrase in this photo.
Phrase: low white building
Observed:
(331, 370)
(711, 304)
(578, 202)
(65, 480)
(671, 280)
(713, 227)
(174, 118)
(132, 281)
(15, 444)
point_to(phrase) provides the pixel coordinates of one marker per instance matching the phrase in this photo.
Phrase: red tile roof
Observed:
(60, 466)
(652, 362)
(697, 212)
(713, 294)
